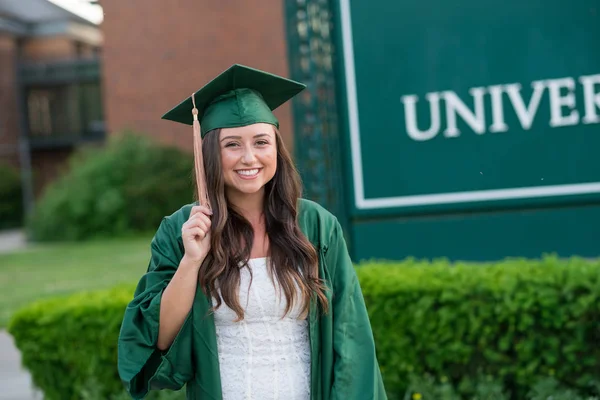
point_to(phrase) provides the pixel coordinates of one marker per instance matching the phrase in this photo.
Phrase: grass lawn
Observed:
(48, 270)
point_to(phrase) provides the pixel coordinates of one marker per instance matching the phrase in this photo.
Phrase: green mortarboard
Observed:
(239, 96)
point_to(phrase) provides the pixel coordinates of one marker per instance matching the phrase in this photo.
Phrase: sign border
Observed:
(363, 203)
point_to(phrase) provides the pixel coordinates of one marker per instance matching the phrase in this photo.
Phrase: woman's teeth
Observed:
(248, 172)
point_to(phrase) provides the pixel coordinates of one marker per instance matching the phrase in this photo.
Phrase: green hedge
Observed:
(70, 341)
(69, 344)
(516, 321)
(125, 187)
(11, 203)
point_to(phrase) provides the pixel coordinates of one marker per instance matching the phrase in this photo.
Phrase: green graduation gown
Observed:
(343, 360)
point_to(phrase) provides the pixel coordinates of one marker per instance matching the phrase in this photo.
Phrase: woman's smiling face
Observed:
(248, 157)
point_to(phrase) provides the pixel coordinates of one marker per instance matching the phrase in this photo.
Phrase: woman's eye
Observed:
(262, 142)
(231, 144)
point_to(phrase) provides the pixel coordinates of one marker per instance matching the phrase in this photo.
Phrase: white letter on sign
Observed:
(592, 100)
(526, 115)
(410, 116)
(557, 102)
(498, 124)
(454, 105)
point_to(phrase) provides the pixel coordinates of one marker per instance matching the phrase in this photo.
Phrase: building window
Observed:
(40, 115)
(73, 110)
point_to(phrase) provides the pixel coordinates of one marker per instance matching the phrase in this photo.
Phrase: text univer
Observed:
(563, 110)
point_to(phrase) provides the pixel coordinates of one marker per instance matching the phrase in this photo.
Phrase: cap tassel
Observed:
(199, 160)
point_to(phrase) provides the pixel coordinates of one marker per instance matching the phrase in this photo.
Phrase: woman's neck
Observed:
(251, 206)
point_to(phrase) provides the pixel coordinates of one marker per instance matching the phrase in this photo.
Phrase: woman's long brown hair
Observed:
(294, 260)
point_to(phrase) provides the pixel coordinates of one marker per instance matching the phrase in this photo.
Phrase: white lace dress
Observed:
(262, 357)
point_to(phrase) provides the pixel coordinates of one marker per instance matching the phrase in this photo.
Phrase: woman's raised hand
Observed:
(195, 233)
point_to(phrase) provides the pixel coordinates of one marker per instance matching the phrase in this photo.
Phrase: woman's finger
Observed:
(196, 223)
(200, 209)
(204, 219)
(193, 221)
(199, 215)
(195, 232)
(200, 219)
(199, 224)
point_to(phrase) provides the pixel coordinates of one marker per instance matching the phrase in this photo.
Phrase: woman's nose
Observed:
(248, 156)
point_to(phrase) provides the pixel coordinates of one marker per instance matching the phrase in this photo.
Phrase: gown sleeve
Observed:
(141, 365)
(356, 373)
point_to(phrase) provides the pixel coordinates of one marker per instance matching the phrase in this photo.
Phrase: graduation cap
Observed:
(239, 96)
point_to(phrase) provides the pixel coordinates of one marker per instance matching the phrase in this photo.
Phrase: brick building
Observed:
(66, 81)
(155, 55)
(50, 101)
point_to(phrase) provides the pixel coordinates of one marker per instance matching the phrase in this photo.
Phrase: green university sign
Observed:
(445, 112)
(472, 106)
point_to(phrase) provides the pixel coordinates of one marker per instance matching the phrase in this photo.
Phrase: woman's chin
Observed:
(248, 189)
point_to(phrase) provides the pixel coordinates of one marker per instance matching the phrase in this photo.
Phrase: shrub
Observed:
(516, 320)
(69, 344)
(486, 388)
(427, 388)
(514, 323)
(11, 204)
(126, 187)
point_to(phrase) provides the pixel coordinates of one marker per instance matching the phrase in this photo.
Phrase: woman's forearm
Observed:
(176, 302)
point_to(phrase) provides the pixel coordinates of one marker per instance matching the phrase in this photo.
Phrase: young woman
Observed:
(250, 292)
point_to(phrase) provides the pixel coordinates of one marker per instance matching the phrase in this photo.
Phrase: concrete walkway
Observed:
(12, 240)
(15, 382)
